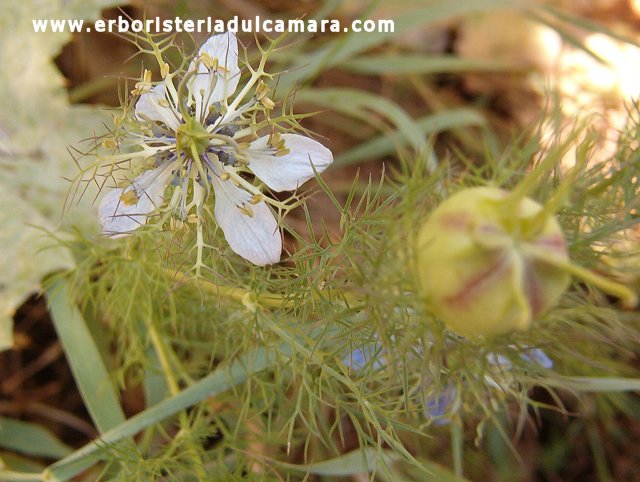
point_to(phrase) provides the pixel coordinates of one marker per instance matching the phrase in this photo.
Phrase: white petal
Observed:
(286, 173)
(210, 86)
(155, 106)
(256, 238)
(117, 218)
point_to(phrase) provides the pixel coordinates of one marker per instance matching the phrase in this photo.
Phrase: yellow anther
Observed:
(267, 103)
(246, 210)
(241, 157)
(225, 176)
(129, 198)
(258, 198)
(277, 142)
(164, 70)
(144, 85)
(261, 90)
(163, 103)
(141, 88)
(208, 61)
(274, 138)
(192, 218)
(108, 143)
(176, 224)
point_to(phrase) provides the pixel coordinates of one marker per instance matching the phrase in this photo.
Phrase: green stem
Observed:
(626, 295)
(267, 300)
(182, 95)
(456, 448)
(559, 197)
(161, 350)
(11, 476)
(599, 455)
(527, 185)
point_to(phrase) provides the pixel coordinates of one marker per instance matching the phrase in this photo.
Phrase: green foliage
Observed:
(84, 358)
(261, 352)
(30, 439)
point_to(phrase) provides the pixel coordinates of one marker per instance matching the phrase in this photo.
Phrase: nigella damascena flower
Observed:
(360, 357)
(199, 137)
(440, 406)
(443, 405)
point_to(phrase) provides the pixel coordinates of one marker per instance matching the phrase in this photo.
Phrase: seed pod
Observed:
(490, 264)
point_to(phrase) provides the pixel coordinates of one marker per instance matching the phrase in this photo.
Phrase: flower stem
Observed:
(267, 300)
(162, 351)
(629, 298)
(626, 295)
(456, 448)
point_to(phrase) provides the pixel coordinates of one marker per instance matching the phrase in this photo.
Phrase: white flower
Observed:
(198, 140)
(288, 171)
(210, 85)
(123, 210)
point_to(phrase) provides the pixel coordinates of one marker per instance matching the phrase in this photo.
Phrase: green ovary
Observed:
(192, 138)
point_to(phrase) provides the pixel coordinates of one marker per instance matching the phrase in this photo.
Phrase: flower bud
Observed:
(489, 263)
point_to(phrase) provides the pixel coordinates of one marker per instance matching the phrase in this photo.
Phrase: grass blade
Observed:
(348, 46)
(355, 462)
(360, 105)
(30, 439)
(384, 145)
(596, 384)
(420, 64)
(155, 384)
(84, 359)
(369, 460)
(12, 476)
(216, 382)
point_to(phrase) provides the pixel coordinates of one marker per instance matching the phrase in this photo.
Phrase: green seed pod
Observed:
(481, 261)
